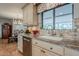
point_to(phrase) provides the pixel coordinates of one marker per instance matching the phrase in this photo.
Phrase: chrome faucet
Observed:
(51, 32)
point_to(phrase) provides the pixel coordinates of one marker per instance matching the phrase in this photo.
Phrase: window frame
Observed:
(54, 14)
(40, 20)
(52, 19)
(66, 14)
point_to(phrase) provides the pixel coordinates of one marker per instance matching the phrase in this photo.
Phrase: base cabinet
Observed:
(41, 48)
(36, 51)
(71, 52)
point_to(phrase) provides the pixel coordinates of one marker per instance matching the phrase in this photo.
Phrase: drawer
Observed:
(47, 53)
(51, 47)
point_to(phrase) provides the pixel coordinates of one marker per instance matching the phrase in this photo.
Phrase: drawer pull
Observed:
(36, 43)
(51, 48)
(43, 51)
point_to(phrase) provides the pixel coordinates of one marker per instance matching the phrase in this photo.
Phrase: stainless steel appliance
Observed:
(27, 46)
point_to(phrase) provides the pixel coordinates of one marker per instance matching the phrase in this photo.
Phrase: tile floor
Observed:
(8, 49)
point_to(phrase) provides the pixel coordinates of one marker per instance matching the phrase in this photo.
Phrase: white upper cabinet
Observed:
(29, 14)
(76, 10)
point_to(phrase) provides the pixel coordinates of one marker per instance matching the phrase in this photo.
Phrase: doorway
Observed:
(6, 30)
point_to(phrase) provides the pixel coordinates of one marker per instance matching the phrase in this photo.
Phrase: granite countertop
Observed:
(52, 41)
(65, 43)
(73, 45)
(69, 44)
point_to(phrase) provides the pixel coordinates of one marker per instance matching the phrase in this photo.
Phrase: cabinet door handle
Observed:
(36, 43)
(43, 51)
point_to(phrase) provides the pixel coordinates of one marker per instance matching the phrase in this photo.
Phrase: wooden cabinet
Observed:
(30, 14)
(71, 52)
(6, 31)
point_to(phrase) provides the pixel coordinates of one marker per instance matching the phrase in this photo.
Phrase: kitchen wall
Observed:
(11, 10)
(67, 34)
(4, 21)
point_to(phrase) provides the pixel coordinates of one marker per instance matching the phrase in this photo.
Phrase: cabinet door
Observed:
(47, 53)
(28, 14)
(71, 52)
(36, 51)
(20, 43)
(25, 15)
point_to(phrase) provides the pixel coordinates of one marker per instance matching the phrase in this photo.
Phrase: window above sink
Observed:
(58, 18)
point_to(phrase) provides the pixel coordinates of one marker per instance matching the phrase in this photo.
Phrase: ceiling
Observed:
(11, 10)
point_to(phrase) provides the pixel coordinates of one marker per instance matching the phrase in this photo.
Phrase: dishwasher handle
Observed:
(27, 40)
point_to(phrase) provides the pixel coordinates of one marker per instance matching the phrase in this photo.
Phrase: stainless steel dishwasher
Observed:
(27, 46)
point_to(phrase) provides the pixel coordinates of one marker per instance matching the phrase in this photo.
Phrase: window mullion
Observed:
(54, 19)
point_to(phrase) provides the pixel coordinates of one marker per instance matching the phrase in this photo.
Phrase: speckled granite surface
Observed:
(65, 43)
(73, 44)
(8, 49)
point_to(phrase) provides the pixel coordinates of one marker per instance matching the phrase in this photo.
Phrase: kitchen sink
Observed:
(49, 38)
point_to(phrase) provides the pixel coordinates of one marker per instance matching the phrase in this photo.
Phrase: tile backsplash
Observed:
(44, 32)
(66, 34)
